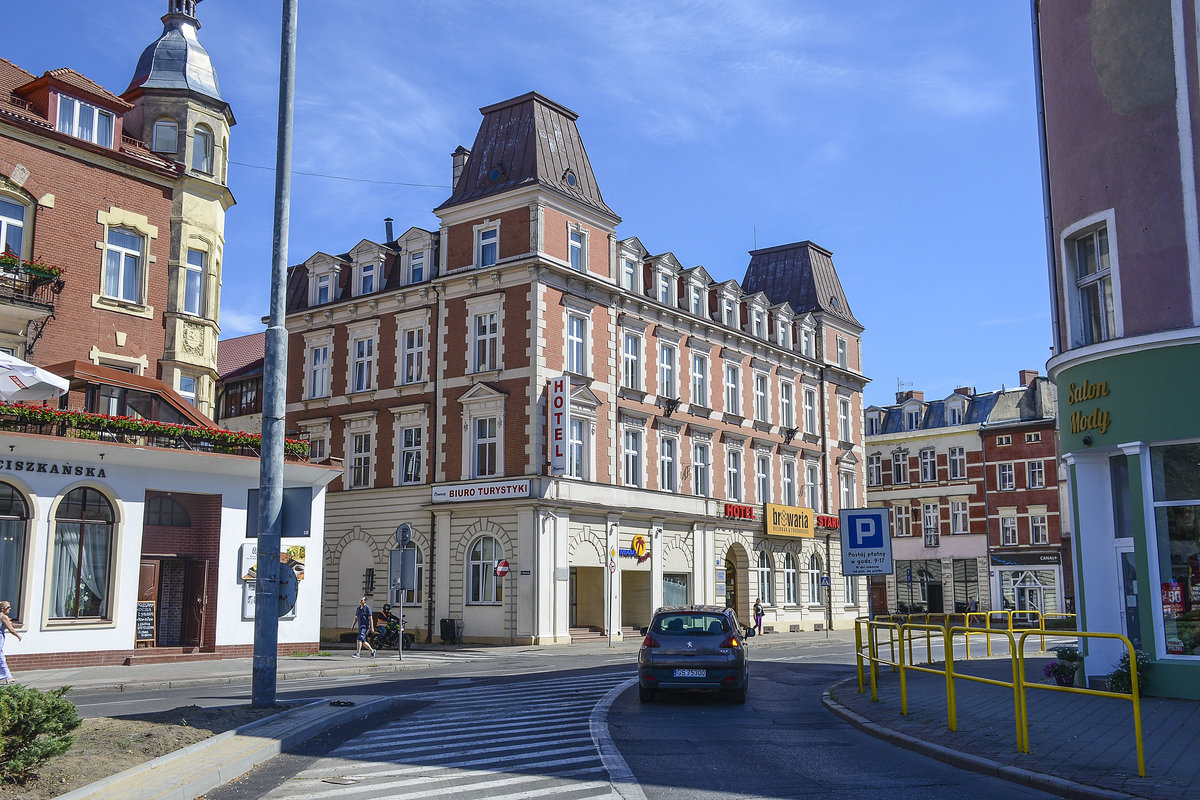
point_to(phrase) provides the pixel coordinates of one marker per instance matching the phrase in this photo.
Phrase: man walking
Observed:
(364, 618)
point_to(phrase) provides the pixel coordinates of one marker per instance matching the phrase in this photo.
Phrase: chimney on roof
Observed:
(387, 229)
(911, 394)
(459, 157)
(1027, 376)
(966, 391)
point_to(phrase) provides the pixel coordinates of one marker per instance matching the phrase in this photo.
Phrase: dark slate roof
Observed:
(802, 274)
(524, 141)
(176, 59)
(979, 407)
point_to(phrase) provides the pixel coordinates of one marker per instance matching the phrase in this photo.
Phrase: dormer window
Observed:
(166, 136)
(85, 121)
(806, 342)
(664, 288)
(841, 352)
(202, 150)
(629, 275)
(487, 246)
(416, 267)
(366, 279)
(698, 301)
(912, 419)
(730, 313)
(873, 424)
(954, 414)
(759, 324)
(577, 242)
(321, 289)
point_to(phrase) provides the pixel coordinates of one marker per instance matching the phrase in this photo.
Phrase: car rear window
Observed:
(685, 624)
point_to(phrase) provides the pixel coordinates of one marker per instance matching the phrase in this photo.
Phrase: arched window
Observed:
(166, 136)
(412, 597)
(202, 150)
(14, 523)
(483, 586)
(12, 227)
(791, 580)
(763, 576)
(83, 536)
(814, 580)
(163, 509)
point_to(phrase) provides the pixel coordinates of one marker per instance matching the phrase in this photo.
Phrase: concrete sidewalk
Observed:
(1080, 746)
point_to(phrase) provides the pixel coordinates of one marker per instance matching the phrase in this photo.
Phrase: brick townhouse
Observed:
(683, 409)
(973, 487)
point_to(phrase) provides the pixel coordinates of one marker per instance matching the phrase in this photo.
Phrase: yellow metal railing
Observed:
(1134, 697)
(904, 633)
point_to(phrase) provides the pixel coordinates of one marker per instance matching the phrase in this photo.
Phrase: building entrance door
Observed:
(195, 596)
(1127, 569)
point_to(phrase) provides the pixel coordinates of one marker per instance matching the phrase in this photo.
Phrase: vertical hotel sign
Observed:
(560, 420)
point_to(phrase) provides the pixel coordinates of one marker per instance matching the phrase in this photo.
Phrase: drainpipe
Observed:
(433, 462)
(825, 499)
(1051, 244)
(987, 516)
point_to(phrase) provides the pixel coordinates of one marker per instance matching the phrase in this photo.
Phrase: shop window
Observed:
(82, 556)
(1175, 471)
(483, 585)
(14, 526)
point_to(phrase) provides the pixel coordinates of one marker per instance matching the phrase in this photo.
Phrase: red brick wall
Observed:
(514, 238)
(66, 236)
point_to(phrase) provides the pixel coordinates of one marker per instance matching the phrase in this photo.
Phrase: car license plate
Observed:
(690, 673)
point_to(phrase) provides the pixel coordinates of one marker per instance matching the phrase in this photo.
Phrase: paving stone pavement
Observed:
(1073, 738)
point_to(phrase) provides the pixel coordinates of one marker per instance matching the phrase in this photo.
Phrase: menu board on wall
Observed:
(145, 626)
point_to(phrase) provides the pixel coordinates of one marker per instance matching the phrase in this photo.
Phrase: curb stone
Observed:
(185, 782)
(969, 761)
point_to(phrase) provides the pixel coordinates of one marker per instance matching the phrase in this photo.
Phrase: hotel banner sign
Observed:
(792, 521)
(471, 492)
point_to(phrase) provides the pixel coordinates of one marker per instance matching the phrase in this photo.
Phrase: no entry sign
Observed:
(501, 568)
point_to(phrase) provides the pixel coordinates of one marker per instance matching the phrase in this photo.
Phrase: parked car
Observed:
(693, 647)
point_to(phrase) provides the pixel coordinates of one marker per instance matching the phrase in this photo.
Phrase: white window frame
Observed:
(957, 462)
(849, 487)
(187, 386)
(928, 465)
(954, 414)
(851, 590)
(1033, 438)
(322, 289)
(487, 244)
(362, 367)
(762, 477)
(810, 411)
(1039, 529)
(844, 431)
(10, 224)
(1035, 475)
(931, 524)
(577, 248)
(485, 447)
(485, 341)
(78, 109)
(788, 481)
(633, 452)
(899, 468)
(791, 580)
(668, 463)
(579, 448)
(366, 278)
(483, 587)
(787, 410)
(764, 571)
(812, 485)
(815, 570)
(841, 352)
(700, 380)
(1111, 322)
(664, 290)
(733, 389)
(193, 281)
(1006, 477)
(1008, 532)
(668, 371)
(808, 340)
(317, 368)
(631, 360)
(761, 412)
(912, 419)
(415, 271)
(362, 451)
(875, 470)
(758, 324)
(412, 354)
(411, 446)
(702, 469)
(165, 136)
(902, 520)
(630, 276)
(117, 288)
(729, 313)
(733, 474)
(202, 149)
(959, 516)
(577, 341)
(698, 304)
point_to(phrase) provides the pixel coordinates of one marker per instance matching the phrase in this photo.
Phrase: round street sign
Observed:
(501, 568)
(612, 567)
(403, 534)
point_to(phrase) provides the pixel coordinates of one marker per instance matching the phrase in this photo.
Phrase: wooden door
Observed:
(195, 599)
(148, 580)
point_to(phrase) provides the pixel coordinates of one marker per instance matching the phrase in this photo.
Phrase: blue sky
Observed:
(900, 136)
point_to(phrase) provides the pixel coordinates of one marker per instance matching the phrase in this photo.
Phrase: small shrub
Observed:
(34, 727)
(1120, 679)
(1061, 672)
(1068, 653)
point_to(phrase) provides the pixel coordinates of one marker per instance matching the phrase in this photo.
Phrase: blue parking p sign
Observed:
(866, 541)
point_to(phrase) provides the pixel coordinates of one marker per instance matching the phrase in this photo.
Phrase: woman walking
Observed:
(6, 627)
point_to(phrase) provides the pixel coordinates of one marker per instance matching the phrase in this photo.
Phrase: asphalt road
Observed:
(783, 743)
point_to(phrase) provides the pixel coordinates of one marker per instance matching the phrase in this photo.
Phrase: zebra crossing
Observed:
(528, 739)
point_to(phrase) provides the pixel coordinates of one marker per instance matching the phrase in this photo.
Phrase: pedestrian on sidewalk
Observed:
(364, 618)
(758, 615)
(6, 627)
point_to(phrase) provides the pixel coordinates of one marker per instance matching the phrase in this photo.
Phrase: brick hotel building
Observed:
(427, 364)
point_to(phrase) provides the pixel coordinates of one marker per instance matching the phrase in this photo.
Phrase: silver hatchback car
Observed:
(693, 647)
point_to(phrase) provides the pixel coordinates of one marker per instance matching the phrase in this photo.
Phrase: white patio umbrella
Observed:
(22, 382)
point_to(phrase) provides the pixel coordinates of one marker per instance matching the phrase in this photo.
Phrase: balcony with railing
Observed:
(46, 421)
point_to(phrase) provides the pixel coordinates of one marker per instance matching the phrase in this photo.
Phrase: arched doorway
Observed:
(738, 582)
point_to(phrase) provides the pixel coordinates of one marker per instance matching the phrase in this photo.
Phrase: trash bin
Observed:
(447, 631)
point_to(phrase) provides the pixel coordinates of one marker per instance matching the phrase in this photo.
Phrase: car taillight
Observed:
(650, 641)
(731, 641)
